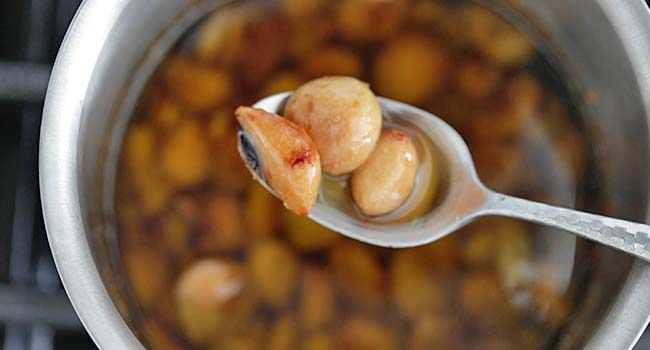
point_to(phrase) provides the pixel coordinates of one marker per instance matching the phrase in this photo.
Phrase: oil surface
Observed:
(186, 205)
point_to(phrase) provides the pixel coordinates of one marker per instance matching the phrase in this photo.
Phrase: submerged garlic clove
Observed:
(274, 269)
(213, 299)
(290, 161)
(386, 179)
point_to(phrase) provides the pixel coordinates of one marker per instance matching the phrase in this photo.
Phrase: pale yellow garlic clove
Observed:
(411, 69)
(290, 161)
(317, 298)
(363, 332)
(274, 269)
(213, 299)
(387, 178)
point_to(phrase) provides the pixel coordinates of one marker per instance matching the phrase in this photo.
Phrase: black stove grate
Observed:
(34, 311)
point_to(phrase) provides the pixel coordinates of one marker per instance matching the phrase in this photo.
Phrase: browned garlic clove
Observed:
(387, 178)
(290, 160)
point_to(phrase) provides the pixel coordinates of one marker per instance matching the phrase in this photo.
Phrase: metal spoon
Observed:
(465, 200)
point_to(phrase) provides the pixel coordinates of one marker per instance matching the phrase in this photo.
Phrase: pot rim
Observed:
(630, 313)
(59, 177)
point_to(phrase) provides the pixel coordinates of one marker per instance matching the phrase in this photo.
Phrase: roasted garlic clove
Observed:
(387, 178)
(289, 159)
(343, 117)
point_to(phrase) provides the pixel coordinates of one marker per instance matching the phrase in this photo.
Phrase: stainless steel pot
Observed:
(113, 46)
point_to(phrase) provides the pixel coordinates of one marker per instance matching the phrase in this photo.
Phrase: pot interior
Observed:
(166, 192)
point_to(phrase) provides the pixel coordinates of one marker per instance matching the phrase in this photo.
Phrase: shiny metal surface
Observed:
(65, 177)
(606, 43)
(465, 197)
(630, 237)
(631, 20)
(603, 44)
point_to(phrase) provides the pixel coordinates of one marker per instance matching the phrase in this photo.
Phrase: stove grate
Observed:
(35, 313)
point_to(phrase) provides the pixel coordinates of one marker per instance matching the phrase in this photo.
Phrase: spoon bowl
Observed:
(464, 200)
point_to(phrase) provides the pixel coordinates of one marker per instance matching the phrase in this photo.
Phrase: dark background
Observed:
(34, 312)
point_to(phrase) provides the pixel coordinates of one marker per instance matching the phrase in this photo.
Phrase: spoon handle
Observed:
(630, 237)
